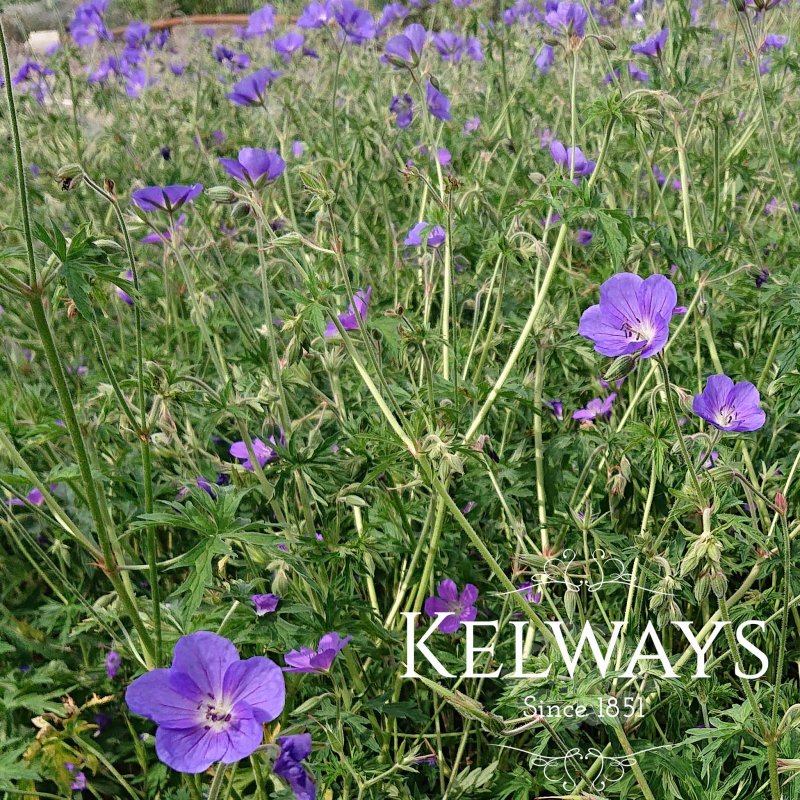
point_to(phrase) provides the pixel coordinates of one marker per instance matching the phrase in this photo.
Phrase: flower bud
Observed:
(781, 504)
(221, 194)
(241, 210)
(606, 42)
(719, 583)
(620, 368)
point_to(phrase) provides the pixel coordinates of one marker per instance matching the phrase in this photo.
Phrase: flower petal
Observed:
(259, 683)
(157, 696)
(205, 657)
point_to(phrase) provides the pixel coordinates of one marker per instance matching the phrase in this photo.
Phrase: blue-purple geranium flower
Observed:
(728, 406)
(632, 316)
(252, 90)
(265, 603)
(288, 765)
(349, 320)
(165, 198)
(438, 103)
(209, 705)
(254, 167)
(571, 158)
(263, 452)
(653, 45)
(320, 660)
(598, 408)
(460, 606)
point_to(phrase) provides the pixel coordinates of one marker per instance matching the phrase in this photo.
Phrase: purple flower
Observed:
(405, 49)
(729, 406)
(349, 320)
(403, 108)
(236, 61)
(320, 660)
(557, 407)
(392, 12)
(251, 91)
(461, 607)
(435, 235)
(469, 506)
(545, 59)
(637, 74)
(474, 49)
(288, 765)
(265, 603)
(653, 45)
(530, 592)
(209, 705)
(254, 167)
(450, 46)
(113, 661)
(569, 18)
(762, 277)
(165, 198)
(298, 148)
(472, 125)
(260, 22)
(633, 316)
(571, 159)
(159, 237)
(356, 23)
(438, 103)
(34, 497)
(286, 45)
(316, 15)
(263, 453)
(121, 293)
(79, 779)
(584, 237)
(136, 33)
(87, 25)
(774, 41)
(597, 408)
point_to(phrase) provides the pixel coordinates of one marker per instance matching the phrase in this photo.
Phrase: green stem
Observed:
(676, 426)
(216, 782)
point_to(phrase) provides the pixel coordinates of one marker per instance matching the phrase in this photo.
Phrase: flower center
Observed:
(456, 607)
(214, 715)
(725, 416)
(639, 330)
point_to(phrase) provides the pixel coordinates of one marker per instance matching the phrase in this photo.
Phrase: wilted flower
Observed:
(209, 705)
(288, 766)
(653, 45)
(349, 320)
(438, 103)
(251, 91)
(263, 453)
(265, 603)
(320, 660)
(165, 198)
(461, 607)
(729, 406)
(121, 293)
(633, 316)
(529, 592)
(254, 166)
(78, 778)
(584, 237)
